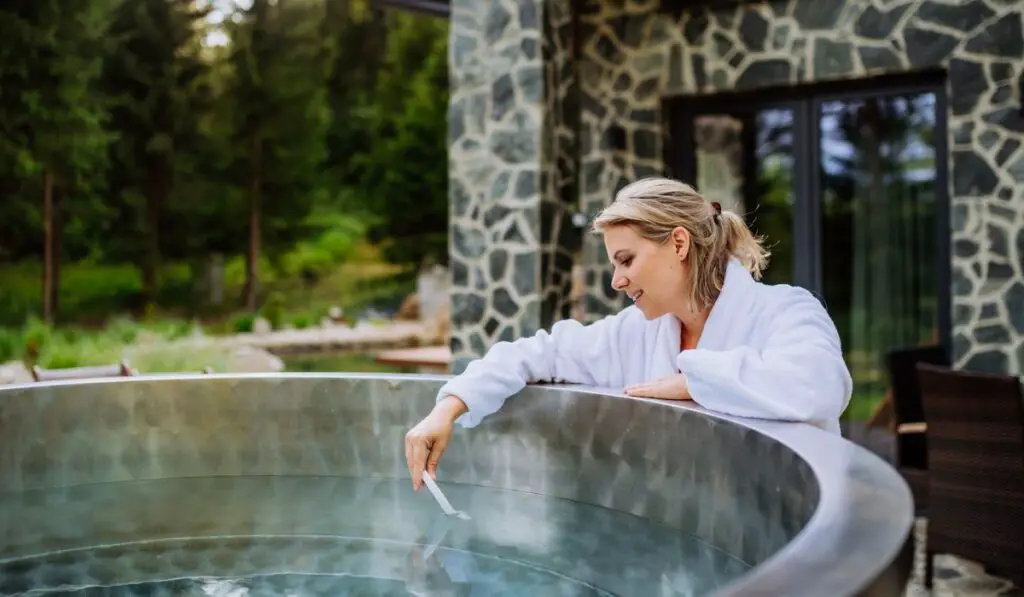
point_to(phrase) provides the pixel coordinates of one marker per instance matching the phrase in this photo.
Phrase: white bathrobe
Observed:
(767, 351)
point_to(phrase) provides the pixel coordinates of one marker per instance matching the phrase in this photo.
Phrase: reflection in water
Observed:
(255, 536)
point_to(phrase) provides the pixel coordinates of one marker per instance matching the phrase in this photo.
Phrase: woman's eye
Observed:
(626, 262)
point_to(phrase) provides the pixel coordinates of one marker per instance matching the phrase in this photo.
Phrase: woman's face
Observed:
(654, 276)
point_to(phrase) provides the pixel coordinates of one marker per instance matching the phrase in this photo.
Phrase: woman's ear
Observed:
(681, 242)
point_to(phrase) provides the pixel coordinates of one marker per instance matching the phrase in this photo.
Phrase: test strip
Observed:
(436, 492)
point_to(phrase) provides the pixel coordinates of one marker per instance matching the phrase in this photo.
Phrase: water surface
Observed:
(332, 536)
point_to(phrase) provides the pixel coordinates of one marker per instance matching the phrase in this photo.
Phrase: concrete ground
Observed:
(954, 577)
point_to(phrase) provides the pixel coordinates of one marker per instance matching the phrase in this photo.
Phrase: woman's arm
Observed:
(571, 353)
(799, 375)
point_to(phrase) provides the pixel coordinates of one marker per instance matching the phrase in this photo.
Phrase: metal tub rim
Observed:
(856, 542)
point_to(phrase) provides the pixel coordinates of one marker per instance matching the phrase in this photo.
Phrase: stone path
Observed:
(363, 336)
(954, 577)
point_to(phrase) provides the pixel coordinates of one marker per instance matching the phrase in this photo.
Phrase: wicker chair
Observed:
(908, 414)
(976, 469)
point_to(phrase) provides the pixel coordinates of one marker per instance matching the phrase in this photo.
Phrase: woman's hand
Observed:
(672, 387)
(425, 442)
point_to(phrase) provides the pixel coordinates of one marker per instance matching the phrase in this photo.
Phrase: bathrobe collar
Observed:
(734, 302)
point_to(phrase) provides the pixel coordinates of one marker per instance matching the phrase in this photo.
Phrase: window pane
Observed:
(745, 162)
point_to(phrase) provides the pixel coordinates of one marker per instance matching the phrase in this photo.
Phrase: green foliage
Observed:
(162, 358)
(11, 347)
(50, 60)
(123, 329)
(336, 242)
(407, 169)
(40, 343)
(326, 116)
(243, 323)
(90, 292)
(273, 310)
(52, 120)
(299, 322)
(156, 86)
(277, 101)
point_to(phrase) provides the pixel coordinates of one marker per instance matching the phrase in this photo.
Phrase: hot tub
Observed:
(296, 485)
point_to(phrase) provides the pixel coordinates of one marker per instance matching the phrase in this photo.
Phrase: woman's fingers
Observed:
(416, 458)
(672, 387)
(408, 459)
(640, 390)
(435, 456)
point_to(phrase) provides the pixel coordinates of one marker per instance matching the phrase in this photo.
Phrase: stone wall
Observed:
(632, 56)
(512, 137)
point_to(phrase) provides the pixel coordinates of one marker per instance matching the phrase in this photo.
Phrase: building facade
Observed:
(876, 143)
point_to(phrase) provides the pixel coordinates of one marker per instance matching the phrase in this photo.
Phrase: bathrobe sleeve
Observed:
(571, 353)
(797, 374)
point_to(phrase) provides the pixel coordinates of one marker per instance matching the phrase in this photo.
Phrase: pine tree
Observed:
(277, 94)
(154, 78)
(51, 114)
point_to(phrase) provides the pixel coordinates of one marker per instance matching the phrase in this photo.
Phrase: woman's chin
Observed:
(649, 313)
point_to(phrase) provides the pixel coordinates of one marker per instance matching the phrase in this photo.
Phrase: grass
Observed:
(103, 319)
(147, 345)
(340, 363)
(869, 384)
(91, 292)
(150, 348)
(862, 404)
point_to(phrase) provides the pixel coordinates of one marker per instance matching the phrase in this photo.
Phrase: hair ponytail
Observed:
(741, 243)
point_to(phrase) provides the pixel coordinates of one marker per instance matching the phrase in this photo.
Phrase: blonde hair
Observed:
(655, 206)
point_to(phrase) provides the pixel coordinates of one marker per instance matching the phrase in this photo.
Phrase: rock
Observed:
(261, 326)
(14, 373)
(432, 289)
(438, 329)
(410, 308)
(197, 331)
(335, 313)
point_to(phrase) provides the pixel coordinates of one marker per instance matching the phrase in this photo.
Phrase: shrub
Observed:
(302, 321)
(243, 323)
(11, 346)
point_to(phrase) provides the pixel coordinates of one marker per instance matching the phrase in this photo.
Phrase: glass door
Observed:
(881, 212)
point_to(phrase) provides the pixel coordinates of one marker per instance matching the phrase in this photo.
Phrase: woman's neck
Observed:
(692, 321)
(692, 326)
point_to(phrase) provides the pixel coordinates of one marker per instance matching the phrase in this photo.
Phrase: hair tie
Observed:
(717, 206)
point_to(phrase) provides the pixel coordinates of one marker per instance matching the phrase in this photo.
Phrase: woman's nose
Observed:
(619, 282)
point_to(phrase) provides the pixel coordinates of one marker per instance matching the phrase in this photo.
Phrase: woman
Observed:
(701, 328)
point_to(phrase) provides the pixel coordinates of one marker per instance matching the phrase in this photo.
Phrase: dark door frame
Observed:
(805, 103)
